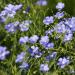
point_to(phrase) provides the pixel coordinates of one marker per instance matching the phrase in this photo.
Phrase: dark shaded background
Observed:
(69, 5)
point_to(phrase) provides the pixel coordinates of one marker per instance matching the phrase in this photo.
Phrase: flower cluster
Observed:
(61, 27)
(9, 11)
(12, 27)
(20, 59)
(65, 25)
(39, 46)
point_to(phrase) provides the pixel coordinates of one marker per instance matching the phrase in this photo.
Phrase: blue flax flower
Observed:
(33, 39)
(44, 67)
(49, 45)
(41, 2)
(68, 37)
(70, 22)
(44, 40)
(9, 11)
(62, 62)
(20, 57)
(2, 19)
(12, 27)
(60, 6)
(34, 52)
(48, 20)
(59, 15)
(24, 26)
(49, 32)
(60, 27)
(24, 65)
(3, 53)
(23, 40)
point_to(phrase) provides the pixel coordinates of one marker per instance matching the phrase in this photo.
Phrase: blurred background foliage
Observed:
(69, 4)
